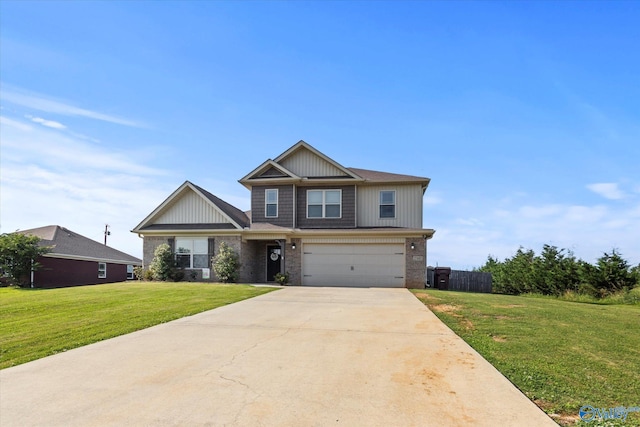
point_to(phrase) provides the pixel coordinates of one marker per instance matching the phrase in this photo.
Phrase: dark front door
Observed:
(274, 255)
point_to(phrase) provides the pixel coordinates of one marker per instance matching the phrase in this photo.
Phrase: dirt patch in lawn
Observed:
(564, 419)
(446, 308)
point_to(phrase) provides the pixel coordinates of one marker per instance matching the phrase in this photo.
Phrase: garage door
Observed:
(360, 265)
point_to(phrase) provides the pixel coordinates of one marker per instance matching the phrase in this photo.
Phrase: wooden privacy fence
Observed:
(457, 280)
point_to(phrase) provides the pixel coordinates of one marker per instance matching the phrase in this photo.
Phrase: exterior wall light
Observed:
(413, 246)
(293, 246)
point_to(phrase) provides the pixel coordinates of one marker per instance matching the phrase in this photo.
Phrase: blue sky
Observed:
(525, 115)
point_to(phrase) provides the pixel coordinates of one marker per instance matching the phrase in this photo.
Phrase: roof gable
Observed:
(191, 204)
(68, 244)
(269, 170)
(307, 162)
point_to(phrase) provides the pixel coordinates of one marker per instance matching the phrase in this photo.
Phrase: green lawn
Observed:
(35, 323)
(562, 355)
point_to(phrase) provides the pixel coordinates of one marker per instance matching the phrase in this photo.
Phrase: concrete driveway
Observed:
(294, 357)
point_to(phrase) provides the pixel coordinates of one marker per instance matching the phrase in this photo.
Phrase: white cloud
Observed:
(42, 103)
(48, 177)
(607, 190)
(587, 230)
(47, 123)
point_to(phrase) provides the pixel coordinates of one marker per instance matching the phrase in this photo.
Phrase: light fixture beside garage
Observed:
(413, 246)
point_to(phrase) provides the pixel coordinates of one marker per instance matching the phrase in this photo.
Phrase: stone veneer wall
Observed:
(415, 263)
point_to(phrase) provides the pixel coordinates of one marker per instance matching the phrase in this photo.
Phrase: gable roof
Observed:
(302, 145)
(68, 244)
(235, 217)
(264, 171)
(298, 163)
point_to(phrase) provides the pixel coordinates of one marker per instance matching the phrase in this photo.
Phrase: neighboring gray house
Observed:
(325, 224)
(77, 260)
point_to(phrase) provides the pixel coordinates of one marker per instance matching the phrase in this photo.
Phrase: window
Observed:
(129, 272)
(102, 270)
(271, 203)
(324, 203)
(192, 253)
(387, 204)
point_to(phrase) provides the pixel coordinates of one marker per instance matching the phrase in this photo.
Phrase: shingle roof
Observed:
(376, 176)
(234, 213)
(67, 242)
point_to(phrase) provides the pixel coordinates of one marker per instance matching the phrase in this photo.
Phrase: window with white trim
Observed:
(324, 203)
(192, 252)
(387, 204)
(271, 203)
(129, 272)
(102, 270)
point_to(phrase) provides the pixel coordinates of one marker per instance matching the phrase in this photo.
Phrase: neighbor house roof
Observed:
(68, 244)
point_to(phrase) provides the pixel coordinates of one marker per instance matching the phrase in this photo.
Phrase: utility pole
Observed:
(106, 233)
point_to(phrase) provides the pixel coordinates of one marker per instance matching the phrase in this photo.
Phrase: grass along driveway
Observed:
(35, 323)
(562, 355)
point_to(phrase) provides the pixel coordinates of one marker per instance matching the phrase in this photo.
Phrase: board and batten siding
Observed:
(191, 209)
(408, 206)
(305, 163)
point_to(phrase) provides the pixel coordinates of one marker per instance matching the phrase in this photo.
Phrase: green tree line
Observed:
(555, 271)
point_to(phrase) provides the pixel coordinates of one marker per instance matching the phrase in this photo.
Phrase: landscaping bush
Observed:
(225, 264)
(163, 264)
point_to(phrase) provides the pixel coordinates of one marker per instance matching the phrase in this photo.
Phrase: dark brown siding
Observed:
(57, 272)
(285, 205)
(348, 219)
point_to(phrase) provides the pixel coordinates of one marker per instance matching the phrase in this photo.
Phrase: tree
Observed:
(18, 256)
(163, 263)
(225, 264)
(613, 273)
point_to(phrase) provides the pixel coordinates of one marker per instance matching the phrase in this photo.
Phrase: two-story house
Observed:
(323, 223)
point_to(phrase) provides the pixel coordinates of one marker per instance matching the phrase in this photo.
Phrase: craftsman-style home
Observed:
(323, 223)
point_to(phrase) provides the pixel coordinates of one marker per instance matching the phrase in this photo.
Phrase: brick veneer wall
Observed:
(293, 262)
(415, 263)
(149, 245)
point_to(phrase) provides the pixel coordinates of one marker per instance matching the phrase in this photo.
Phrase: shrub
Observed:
(163, 264)
(225, 264)
(178, 275)
(282, 279)
(139, 272)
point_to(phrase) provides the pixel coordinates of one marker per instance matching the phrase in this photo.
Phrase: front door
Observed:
(274, 255)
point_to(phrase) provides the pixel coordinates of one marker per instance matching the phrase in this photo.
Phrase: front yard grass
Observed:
(35, 323)
(562, 355)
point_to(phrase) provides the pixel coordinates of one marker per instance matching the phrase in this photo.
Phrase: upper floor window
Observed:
(102, 270)
(192, 253)
(324, 203)
(387, 204)
(271, 203)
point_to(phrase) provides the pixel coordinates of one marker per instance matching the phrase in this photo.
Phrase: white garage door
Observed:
(360, 265)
